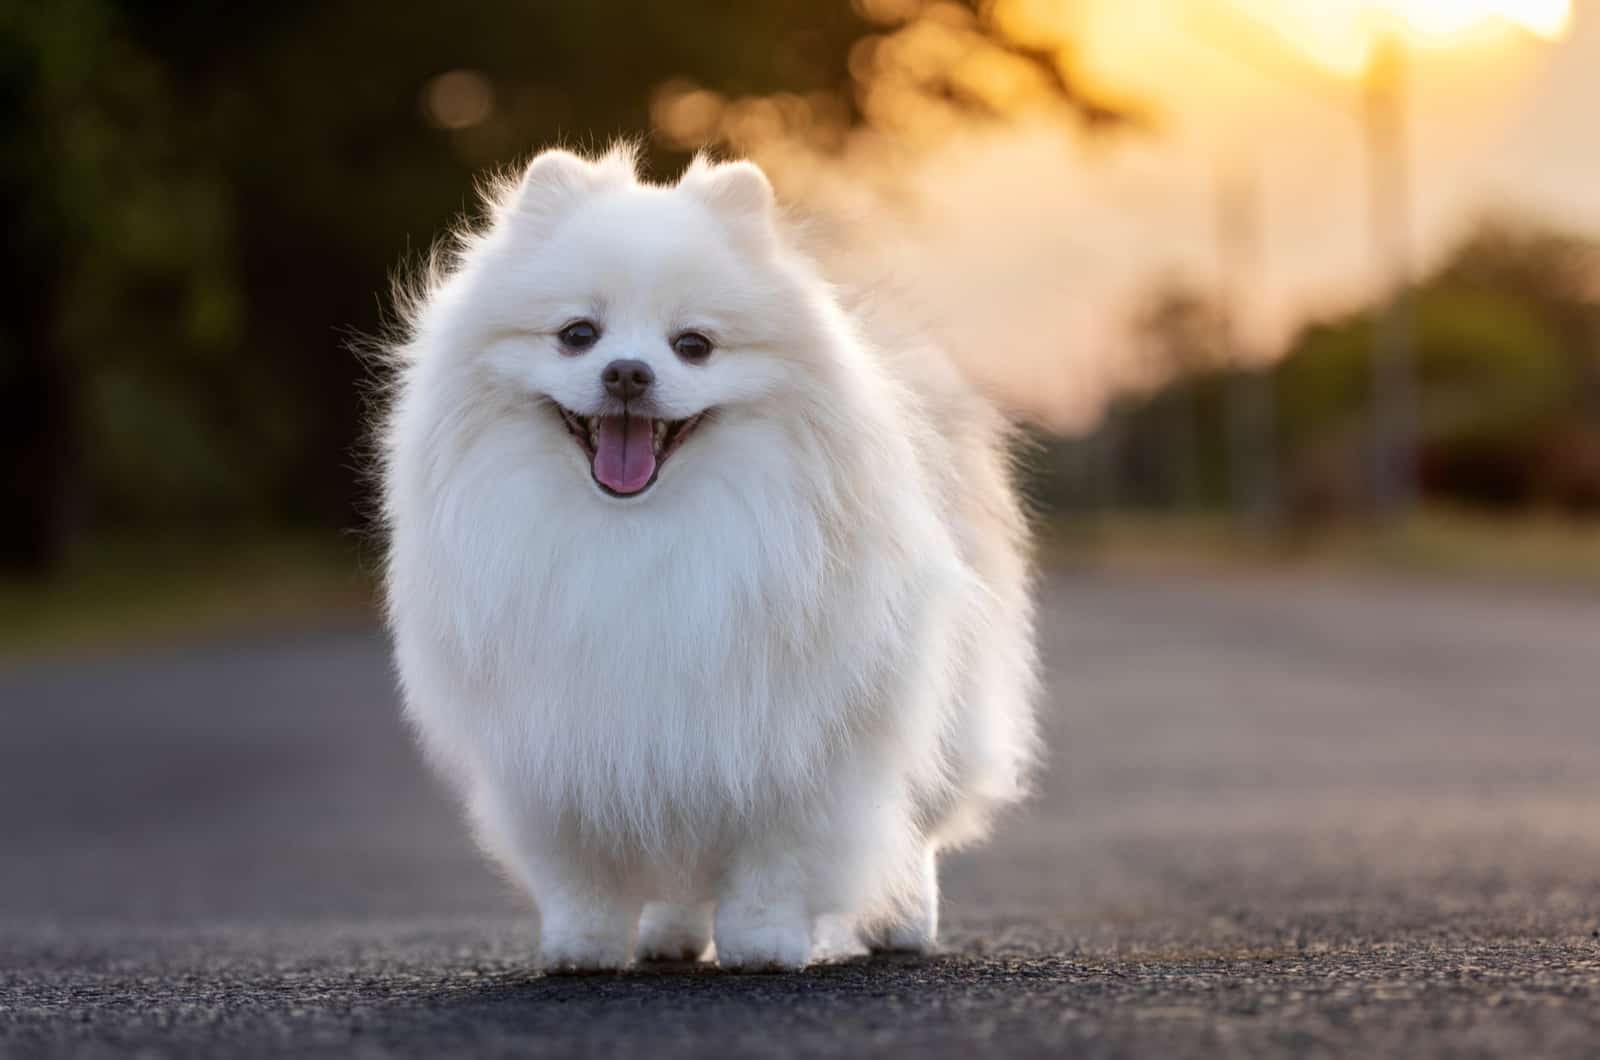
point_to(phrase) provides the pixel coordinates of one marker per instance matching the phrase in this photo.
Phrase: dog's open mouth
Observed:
(627, 451)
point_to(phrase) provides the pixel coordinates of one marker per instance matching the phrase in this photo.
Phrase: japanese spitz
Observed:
(711, 606)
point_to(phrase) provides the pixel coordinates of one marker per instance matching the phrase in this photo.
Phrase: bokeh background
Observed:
(1271, 281)
(1298, 299)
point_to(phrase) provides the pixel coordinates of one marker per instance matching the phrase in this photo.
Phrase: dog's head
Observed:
(634, 322)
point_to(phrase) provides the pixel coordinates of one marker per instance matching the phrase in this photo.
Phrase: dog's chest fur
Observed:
(673, 668)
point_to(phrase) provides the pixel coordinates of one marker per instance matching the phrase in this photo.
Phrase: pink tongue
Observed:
(624, 457)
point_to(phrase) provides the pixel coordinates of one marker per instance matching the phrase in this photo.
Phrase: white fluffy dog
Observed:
(714, 612)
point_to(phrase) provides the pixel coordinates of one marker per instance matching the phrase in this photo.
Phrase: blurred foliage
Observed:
(205, 203)
(1507, 367)
(208, 200)
(931, 69)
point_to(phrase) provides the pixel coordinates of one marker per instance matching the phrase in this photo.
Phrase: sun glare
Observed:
(1446, 18)
(1340, 34)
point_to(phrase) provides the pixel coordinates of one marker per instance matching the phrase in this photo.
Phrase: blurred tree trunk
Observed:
(1184, 490)
(36, 414)
(1591, 369)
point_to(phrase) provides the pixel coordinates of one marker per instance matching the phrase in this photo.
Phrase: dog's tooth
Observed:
(594, 430)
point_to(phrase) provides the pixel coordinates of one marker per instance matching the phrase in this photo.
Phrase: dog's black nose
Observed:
(626, 380)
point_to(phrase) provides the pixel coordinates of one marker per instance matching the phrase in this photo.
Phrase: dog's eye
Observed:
(692, 346)
(579, 335)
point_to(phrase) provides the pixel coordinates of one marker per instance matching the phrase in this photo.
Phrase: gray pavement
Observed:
(1282, 817)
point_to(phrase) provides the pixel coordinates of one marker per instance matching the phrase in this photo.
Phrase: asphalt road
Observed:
(1282, 817)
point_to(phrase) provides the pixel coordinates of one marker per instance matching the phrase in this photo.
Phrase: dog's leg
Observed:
(672, 932)
(762, 920)
(588, 924)
(914, 927)
(588, 915)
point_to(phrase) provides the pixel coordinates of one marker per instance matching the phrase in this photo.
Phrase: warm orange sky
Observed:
(1033, 244)
(1499, 118)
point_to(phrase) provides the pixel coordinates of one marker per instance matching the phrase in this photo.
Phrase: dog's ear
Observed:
(556, 180)
(738, 192)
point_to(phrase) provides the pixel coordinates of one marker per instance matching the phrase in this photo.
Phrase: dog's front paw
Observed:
(768, 941)
(912, 927)
(566, 949)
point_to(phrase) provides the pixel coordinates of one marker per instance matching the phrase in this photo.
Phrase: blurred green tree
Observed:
(206, 200)
(120, 227)
(1508, 355)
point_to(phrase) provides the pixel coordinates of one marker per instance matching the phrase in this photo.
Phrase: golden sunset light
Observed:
(1267, 91)
(1544, 18)
(1339, 35)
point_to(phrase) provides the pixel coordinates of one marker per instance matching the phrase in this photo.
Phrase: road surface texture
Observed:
(1281, 817)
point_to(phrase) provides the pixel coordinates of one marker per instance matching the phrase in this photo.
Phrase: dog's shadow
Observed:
(687, 983)
(685, 1008)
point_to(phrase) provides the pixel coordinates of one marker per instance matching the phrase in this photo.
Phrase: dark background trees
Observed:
(202, 203)
(1507, 339)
